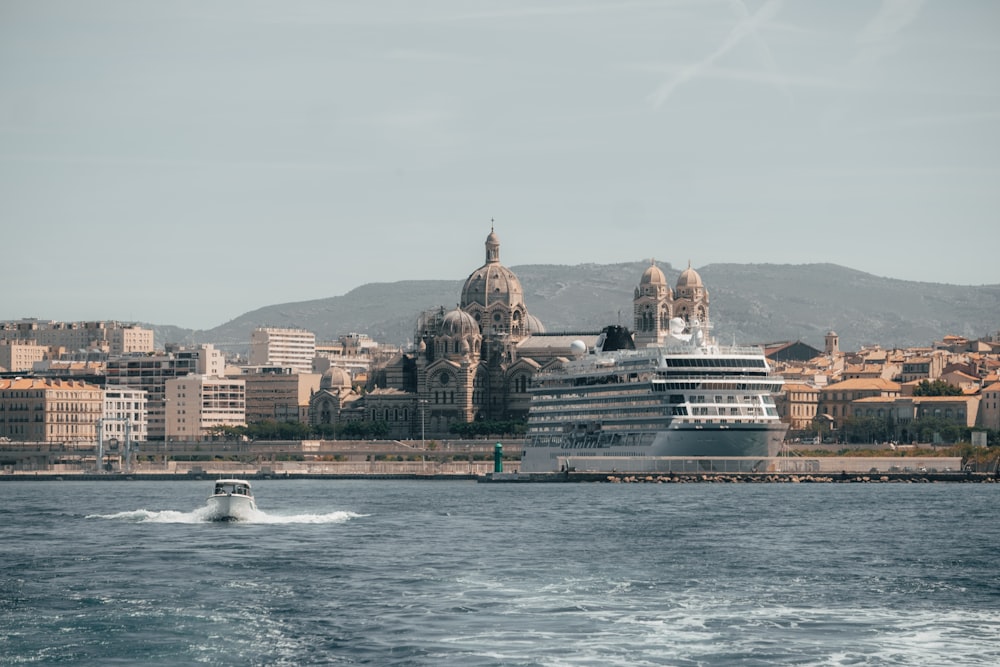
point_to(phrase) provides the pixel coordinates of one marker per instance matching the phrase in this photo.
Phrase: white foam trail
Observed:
(329, 517)
(156, 516)
(202, 515)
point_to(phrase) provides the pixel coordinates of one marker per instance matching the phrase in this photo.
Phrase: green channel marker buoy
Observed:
(498, 457)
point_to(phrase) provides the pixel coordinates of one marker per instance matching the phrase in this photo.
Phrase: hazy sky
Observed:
(183, 162)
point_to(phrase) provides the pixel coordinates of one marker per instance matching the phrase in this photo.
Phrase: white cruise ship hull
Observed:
(751, 442)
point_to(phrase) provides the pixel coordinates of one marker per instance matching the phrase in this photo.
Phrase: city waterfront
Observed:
(397, 572)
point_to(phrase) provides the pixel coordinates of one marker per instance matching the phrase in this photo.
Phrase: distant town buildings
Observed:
(67, 382)
(114, 338)
(150, 373)
(20, 356)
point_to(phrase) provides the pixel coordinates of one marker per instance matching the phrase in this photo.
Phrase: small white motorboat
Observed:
(232, 500)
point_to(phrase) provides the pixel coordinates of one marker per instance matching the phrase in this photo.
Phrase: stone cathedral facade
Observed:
(466, 366)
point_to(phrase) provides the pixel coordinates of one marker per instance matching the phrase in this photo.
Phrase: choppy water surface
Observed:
(458, 573)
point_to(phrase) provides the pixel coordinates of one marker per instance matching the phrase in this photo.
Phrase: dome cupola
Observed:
(459, 323)
(653, 276)
(335, 378)
(493, 282)
(689, 278)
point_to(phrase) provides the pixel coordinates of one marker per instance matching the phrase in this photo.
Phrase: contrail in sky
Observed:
(746, 27)
(876, 38)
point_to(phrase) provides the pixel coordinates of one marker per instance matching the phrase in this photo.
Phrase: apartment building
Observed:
(125, 415)
(278, 394)
(45, 410)
(20, 356)
(286, 348)
(196, 404)
(901, 410)
(797, 405)
(835, 400)
(923, 367)
(151, 372)
(114, 337)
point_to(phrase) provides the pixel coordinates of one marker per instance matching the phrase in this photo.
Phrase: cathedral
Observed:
(475, 362)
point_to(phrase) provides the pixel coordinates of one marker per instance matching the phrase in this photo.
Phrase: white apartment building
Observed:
(286, 348)
(151, 372)
(195, 404)
(125, 415)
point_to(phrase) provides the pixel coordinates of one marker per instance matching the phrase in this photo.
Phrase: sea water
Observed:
(457, 573)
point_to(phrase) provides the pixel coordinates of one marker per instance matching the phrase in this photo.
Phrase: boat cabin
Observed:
(232, 487)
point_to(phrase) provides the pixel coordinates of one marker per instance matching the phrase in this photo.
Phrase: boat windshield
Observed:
(232, 489)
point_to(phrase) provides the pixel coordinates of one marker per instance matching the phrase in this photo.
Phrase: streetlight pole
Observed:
(423, 443)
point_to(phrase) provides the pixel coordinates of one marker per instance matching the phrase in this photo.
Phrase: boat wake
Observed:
(204, 515)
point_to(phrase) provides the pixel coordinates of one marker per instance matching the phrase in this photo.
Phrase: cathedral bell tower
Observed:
(652, 307)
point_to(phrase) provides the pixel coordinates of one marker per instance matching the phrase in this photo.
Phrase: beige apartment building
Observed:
(901, 410)
(114, 337)
(44, 410)
(286, 348)
(278, 394)
(20, 356)
(835, 400)
(924, 367)
(797, 405)
(196, 404)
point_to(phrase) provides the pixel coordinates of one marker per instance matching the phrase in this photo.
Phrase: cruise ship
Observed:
(615, 408)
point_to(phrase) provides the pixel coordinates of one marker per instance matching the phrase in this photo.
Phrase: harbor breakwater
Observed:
(742, 478)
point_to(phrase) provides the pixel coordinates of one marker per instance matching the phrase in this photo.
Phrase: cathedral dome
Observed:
(689, 278)
(653, 276)
(459, 323)
(335, 378)
(535, 325)
(492, 282)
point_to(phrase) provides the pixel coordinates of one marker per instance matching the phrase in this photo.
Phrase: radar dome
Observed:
(578, 347)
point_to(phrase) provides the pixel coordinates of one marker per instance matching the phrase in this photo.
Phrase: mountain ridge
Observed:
(751, 303)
